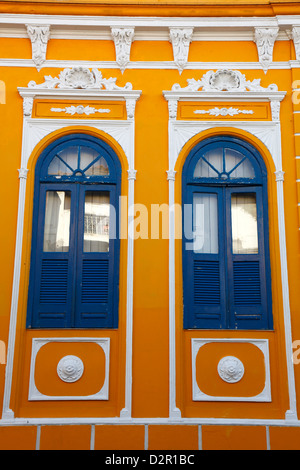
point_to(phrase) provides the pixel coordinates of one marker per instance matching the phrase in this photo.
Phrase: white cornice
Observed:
(146, 28)
(160, 65)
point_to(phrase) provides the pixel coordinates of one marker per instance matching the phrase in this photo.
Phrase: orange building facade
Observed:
(171, 348)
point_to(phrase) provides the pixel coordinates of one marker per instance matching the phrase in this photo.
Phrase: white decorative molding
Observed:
(131, 174)
(224, 85)
(172, 105)
(294, 35)
(279, 175)
(275, 110)
(39, 36)
(231, 370)
(69, 369)
(123, 38)
(181, 39)
(79, 78)
(224, 80)
(79, 83)
(223, 111)
(23, 173)
(130, 108)
(27, 106)
(171, 175)
(80, 109)
(265, 39)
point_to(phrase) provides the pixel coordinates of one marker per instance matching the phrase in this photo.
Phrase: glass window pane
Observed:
(244, 223)
(96, 221)
(99, 168)
(57, 221)
(66, 163)
(87, 156)
(236, 166)
(215, 166)
(205, 225)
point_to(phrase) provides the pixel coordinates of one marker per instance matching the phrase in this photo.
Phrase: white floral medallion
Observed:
(231, 369)
(70, 369)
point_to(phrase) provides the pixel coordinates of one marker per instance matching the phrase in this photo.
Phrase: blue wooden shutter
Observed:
(204, 283)
(97, 273)
(247, 275)
(50, 298)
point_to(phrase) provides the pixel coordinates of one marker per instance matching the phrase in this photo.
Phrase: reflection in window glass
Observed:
(244, 223)
(65, 164)
(57, 221)
(237, 165)
(96, 221)
(211, 165)
(205, 216)
(99, 168)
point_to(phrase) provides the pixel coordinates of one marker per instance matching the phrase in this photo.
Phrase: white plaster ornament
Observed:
(231, 369)
(79, 78)
(70, 369)
(224, 80)
(123, 38)
(265, 39)
(181, 39)
(39, 36)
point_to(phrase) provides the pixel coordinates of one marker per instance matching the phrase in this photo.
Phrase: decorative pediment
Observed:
(79, 83)
(224, 80)
(227, 86)
(80, 78)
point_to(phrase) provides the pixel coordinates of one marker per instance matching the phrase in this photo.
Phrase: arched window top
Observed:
(80, 158)
(225, 160)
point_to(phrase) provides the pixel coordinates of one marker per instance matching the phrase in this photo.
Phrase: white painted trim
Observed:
(161, 34)
(146, 421)
(150, 22)
(262, 344)
(37, 343)
(151, 65)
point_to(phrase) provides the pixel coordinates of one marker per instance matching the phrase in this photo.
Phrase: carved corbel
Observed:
(265, 39)
(294, 34)
(130, 108)
(123, 38)
(131, 174)
(275, 110)
(171, 175)
(39, 36)
(27, 106)
(172, 105)
(181, 39)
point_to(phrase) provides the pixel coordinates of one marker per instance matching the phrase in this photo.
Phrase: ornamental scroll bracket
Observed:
(226, 86)
(265, 39)
(294, 35)
(123, 38)
(181, 39)
(39, 36)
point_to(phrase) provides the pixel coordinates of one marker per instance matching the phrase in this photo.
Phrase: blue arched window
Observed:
(74, 274)
(226, 266)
